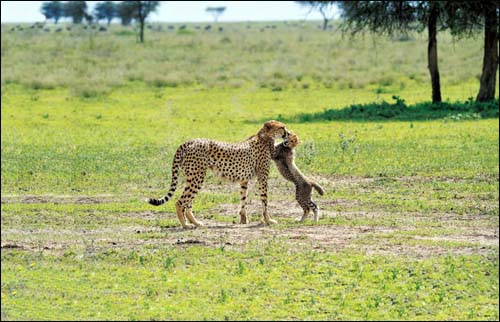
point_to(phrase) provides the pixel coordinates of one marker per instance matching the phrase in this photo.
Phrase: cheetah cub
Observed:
(284, 156)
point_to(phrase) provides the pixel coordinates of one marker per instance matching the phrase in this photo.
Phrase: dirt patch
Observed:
(63, 199)
(348, 180)
(299, 237)
(374, 232)
(481, 239)
(423, 251)
(12, 246)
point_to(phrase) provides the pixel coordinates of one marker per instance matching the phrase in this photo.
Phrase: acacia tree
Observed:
(52, 10)
(128, 11)
(465, 18)
(389, 17)
(432, 13)
(142, 10)
(76, 10)
(460, 17)
(491, 14)
(325, 8)
(125, 12)
(216, 12)
(105, 10)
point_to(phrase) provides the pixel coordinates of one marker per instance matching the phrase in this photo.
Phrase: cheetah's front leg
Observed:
(263, 196)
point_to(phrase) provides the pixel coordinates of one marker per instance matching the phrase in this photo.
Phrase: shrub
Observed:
(399, 110)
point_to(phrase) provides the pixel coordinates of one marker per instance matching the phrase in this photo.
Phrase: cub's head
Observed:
(274, 130)
(292, 141)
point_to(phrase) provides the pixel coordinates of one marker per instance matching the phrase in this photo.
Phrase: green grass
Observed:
(92, 63)
(119, 256)
(196, 283)
(124, 143)
(90, 123)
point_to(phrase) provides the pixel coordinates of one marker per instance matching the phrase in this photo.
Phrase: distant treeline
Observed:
(126, 11)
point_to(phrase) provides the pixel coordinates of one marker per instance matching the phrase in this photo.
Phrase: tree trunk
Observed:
(432, 56)
(490, 58)
(141, 20)
(142, 31)
(323, 13)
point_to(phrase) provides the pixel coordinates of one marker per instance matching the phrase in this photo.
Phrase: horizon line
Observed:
(158, 21)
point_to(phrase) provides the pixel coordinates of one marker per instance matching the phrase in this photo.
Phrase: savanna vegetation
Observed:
(90, 123)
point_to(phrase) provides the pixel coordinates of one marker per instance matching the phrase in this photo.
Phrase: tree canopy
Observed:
(325, 8)
(216, 12)
(105, 11)
(76, 10)
(462, 18)
(52, 10)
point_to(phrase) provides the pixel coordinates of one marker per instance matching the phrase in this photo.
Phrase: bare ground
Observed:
(467, 234)
(319, 237)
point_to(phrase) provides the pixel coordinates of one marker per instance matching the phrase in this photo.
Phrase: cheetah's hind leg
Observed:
(315, 210)
(305, 215)
(192, 219)
(180, 214)
(192, 186)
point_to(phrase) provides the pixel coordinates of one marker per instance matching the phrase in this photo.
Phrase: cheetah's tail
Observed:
(173, 185)
(318, 188)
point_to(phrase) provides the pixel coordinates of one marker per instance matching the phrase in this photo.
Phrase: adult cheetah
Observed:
(236, 162)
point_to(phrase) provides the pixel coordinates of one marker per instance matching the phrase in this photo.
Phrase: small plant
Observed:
(169, 262)
(345, 142)
(142, 259)
(150, 292)
(241, 268)
(223, 296)
(347, 145)
(418, 285)
(307, 152)
(462, 117)
(394, 273)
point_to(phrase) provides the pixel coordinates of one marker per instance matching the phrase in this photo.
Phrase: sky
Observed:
(184, 11)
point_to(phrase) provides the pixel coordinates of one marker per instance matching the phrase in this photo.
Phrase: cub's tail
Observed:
(173, 185)
(318, 188)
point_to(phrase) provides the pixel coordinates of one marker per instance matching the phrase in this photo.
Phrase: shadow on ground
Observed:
(400, 111)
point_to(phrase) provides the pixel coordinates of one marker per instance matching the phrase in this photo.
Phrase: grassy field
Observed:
(410, 220)
(294, 55)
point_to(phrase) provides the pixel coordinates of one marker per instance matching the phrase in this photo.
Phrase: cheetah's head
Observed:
(274, 130)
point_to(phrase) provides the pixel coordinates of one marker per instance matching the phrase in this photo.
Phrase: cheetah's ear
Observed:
(269, 124)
